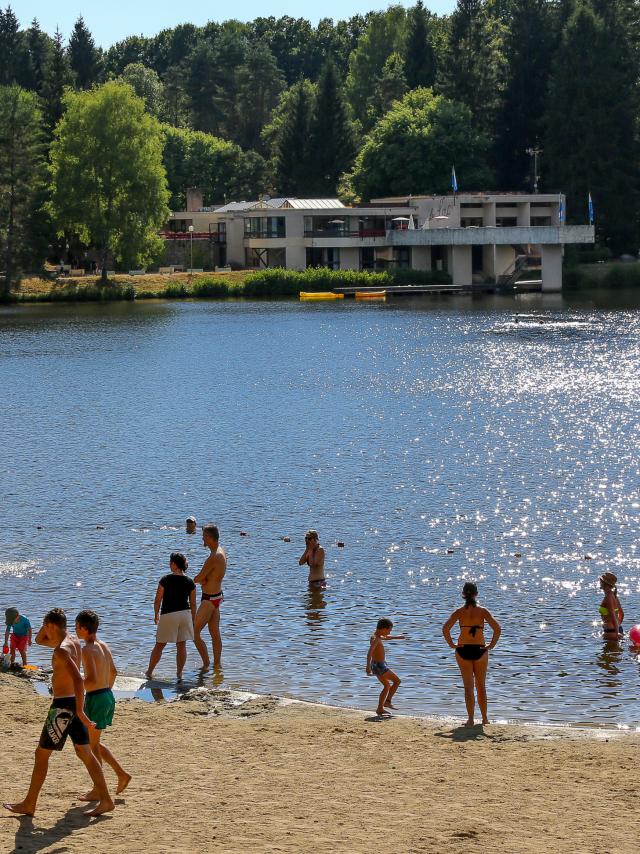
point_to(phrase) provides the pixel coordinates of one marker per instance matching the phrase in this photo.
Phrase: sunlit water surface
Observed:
(439, 440)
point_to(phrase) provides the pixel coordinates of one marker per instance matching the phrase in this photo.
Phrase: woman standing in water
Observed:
(610, 609)
(472, 653)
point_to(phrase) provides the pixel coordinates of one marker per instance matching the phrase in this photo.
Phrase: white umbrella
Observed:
(400, 219)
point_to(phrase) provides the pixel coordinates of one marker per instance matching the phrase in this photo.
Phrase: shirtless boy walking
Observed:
(66, 717)
(208, 614)
(99, 675)
(377, 665)
(314, 557)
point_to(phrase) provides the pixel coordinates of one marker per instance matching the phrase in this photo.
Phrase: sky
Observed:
(112, 20)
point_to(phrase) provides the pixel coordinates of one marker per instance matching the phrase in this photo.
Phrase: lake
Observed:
(439, 439)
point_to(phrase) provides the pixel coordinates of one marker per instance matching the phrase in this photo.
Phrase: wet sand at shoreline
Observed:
(265, 776)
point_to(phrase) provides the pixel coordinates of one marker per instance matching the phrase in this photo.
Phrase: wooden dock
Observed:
(405, 290)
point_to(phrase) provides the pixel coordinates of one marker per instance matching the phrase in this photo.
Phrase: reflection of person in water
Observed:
(314, 605)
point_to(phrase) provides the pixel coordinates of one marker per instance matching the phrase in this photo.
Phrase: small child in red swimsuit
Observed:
(17, 635)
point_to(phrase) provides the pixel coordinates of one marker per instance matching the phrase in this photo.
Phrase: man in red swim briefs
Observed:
(210, 578)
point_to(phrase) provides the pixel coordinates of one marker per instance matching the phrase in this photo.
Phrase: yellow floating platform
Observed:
(320, 295)
(371, 294)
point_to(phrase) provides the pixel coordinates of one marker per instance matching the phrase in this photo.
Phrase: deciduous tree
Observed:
(109, 182)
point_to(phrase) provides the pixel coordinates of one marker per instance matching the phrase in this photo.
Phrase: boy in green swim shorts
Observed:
(99, 675)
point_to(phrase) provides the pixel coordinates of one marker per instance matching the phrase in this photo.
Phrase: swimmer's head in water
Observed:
(384, 623)
(191, 524)
(88, 621)
(179, 560)
(470, 593)
(56, 617)
(210, 533)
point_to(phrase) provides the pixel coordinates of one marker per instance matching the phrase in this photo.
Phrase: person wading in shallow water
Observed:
(610, 609)
(314, 557)
(472, 653)
(210, 577)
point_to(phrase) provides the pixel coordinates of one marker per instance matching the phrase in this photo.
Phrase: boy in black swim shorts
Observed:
(66, 717)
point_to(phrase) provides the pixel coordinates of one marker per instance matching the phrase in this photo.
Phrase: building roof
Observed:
(280, 204)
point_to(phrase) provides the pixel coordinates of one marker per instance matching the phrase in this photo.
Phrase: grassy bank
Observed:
(265, 284)
(602, 276)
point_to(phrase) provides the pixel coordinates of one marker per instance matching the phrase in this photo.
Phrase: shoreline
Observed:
(267, 775)
(141, 689)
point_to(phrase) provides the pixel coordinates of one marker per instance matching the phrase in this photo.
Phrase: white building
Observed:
(476, 237)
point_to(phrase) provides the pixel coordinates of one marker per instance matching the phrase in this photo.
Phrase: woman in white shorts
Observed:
(175, 612)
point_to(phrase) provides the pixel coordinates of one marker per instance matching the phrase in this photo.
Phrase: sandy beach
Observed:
(267, 776)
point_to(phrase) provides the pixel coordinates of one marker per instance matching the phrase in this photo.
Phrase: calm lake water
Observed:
(405, 430)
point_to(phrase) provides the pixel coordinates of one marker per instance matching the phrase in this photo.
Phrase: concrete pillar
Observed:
(460, 268)
(296, 258)
(524, 213)
(349, 258)
(235, 242)
(551, 268)
(421, 257)
(489, 213)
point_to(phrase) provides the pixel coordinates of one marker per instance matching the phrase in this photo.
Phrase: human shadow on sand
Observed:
(467, 733)
(31, 838)
(379, 719)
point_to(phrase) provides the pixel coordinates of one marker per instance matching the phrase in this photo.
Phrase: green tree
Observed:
(412, 148)
(392, 85)
(146, 84)
(591, 142)
(474, 68)
(57, 77)
(22, 171)
(11, 47)
(332, 136)
(109, 184)
(529, 48)
(420, 59)
(38, 48)
(260, 83)
(175, 103)
(385, 34)
(85, 58)
(211, 82)
(221, 168)
(287, 136)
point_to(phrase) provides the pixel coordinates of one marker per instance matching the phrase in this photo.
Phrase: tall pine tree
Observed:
(38, 48)
(529, 45)
(591, 143)
(290, 140)
(420, 59)
(57, 76)
(84, 57)
(332, 140)
(10, 46)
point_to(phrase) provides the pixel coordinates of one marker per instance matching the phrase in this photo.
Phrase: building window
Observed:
(257, 259)
(264, 226)
(402, 257)
(471, 222)
(323, 257)
(506, 221)
(540, 220)
(367, 258)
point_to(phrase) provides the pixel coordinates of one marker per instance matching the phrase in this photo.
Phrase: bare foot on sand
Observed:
(20, 809)
(469, 722)
(123, 782)
(103, 807)
(486, 721)
(90, 796)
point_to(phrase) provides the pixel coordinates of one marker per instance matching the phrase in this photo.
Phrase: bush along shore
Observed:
(264, 284)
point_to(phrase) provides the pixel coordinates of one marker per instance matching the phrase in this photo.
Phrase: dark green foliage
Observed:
(38, 51)
(280, 282)
(289, 138)
(11, 47)
(529, 47)
(595, 277)
(84, 58)
(87, 293)
(591, 140)
(22, 179)
(57, 77)
(420, 60)
(260, 83)
(332, 143)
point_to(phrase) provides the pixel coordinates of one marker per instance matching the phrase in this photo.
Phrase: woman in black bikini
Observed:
(472, 653)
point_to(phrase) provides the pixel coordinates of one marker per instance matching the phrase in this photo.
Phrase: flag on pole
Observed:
(454, 180)
(591, 213)
(561, 211)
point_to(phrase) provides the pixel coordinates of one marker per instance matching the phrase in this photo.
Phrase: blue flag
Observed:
(454, 180)
(591, 214)
(561, 211)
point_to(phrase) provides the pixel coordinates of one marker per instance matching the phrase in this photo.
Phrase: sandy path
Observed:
(298, 778)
